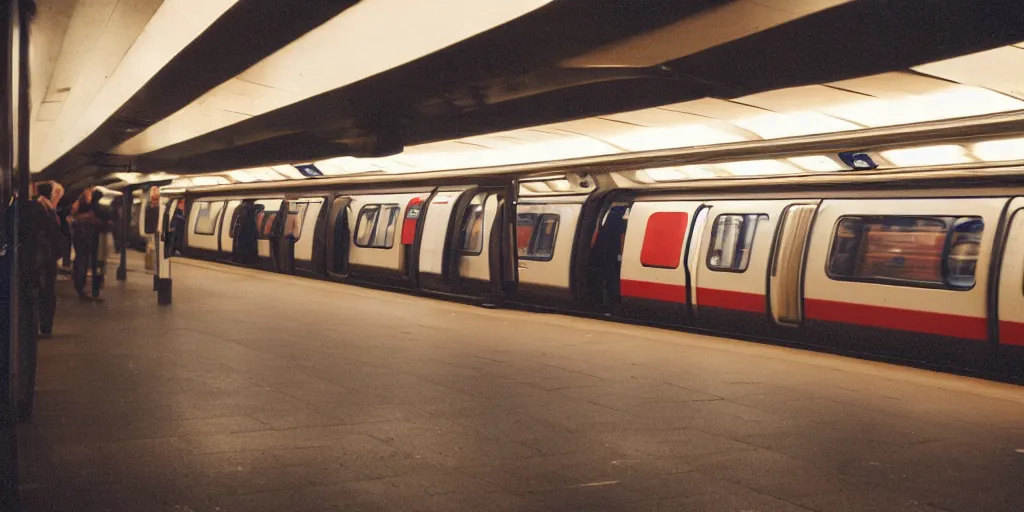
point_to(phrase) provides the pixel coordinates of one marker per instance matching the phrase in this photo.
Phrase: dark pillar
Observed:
(163, 259)
(126, 223)
(9, 478)
(28, 270)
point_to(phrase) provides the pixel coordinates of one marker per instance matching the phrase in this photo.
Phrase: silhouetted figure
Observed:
(85, 235)
(177, 228)
(48, 242)
(607, 251)
(246, 231)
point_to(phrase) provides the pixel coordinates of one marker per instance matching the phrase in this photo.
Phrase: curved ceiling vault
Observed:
(184, 87)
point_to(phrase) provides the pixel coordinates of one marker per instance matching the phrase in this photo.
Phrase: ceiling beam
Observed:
(246, 33)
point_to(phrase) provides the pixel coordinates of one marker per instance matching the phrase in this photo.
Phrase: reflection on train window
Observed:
(296, 216)
(535, 235)
(206, 217)
(375, 227)
(236, 220)
(472, 232)
(265, 223)
(931, 252)
(732, 239)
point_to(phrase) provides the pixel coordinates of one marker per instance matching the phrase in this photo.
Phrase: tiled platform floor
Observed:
(261, 392)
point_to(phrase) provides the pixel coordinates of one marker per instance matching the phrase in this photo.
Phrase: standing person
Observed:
(64, 216)
(47, 235)
(178, 228)
(105, 218)
(84, 224)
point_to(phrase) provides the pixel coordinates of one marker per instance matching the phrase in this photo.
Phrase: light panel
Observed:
(944, 154)
(999, 150)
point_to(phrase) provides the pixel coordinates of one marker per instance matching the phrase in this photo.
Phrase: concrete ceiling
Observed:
(190, 87)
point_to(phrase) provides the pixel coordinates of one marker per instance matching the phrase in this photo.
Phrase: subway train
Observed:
(924, 265)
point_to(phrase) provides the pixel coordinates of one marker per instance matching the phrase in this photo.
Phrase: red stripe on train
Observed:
(656, 291)
(728, 299)
(1011, 333)
(958, 326)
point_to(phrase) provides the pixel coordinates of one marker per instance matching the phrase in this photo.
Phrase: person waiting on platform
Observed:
(85, 230)
(48, 239)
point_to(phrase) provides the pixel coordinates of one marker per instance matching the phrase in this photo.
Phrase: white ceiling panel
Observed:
(111, 51)
(356, 44)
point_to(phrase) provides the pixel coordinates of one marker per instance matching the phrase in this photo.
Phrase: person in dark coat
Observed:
(246, 231)
(608, 251)
(85, 233)
(48, 241)
(64, 217)
(177, 229)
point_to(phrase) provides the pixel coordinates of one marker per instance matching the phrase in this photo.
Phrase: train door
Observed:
(1011, 279)
(654, 279)
(787, 265)
(174, 222)
(438, 246)
(546, 229)
(229, 224)
(479, 249)
(339, 237)
(604, 258)
(268, 213)
(295, 243)
(410, 236)
(730, 270)
(244, 232)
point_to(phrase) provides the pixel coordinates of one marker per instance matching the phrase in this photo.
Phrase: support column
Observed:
(126, 224)
(27, 254)
(9, 477)
(163, 267)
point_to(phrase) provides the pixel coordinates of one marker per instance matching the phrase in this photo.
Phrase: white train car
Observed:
(921, 265)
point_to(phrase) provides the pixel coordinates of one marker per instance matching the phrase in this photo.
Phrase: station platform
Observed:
(263, 392)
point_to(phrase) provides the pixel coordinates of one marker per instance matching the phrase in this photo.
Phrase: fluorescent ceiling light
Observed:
(927, 155)
(757, 167)
(816, 163)
(999, 150)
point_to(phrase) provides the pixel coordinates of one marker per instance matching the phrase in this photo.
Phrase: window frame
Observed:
(462, 241)
(381, 208)
(263, 231)
(536, 233)
(213, 221)
(758, 217)
(302, 207)
(949, 221)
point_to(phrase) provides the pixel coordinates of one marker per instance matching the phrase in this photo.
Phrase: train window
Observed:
(536, 234)
(525, 224)
(372, 231)
(296, 216)
(472, 232)
(732, 239)
(930, 252)
(265, 221)
(236, 220)
(206, 217)
(663, 240)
